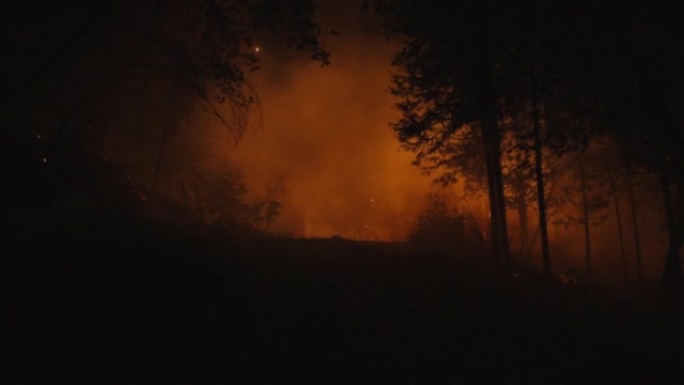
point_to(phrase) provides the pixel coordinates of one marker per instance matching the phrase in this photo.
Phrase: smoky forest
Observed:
(341, 192)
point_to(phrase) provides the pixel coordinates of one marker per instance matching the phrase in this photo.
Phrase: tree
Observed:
(447, 80)
(587, 195)
(640, 99)
(122, 77)
(518, 177)
(582, 72)
(637, 89)
(472, 64)
(153, 60)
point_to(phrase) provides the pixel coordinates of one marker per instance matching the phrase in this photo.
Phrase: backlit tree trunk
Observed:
(672, 271)
(492, 149)
(541, 198)
(521, 204)
(496, 198)
(618, 218)
(585, 215)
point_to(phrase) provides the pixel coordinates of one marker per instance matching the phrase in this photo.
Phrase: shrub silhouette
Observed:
(440, 228)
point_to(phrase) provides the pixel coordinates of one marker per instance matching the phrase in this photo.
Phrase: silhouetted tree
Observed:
(205, 45)
(472, 64)
(125, 66)
(580, 71)
(122, 77)
(640, 101)
(587, 195)
(448, 79)
(638, 97)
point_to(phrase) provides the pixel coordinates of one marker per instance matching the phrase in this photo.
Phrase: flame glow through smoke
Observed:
(326, 129)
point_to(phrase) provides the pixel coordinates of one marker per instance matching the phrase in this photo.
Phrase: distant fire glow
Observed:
(327, 130)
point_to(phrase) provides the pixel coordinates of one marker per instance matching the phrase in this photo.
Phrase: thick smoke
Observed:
(326, 130)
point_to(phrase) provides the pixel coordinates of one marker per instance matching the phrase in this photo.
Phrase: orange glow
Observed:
(327, 130)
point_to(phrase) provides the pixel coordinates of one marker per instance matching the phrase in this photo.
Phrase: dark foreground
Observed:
(167, 309)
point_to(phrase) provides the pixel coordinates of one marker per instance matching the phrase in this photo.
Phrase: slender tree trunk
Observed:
(536, 232)
(671, 279)
(497, 204)
(672, 271)
(521, 204)
(635, 226)
(492, 146)
(585, 215)
(541, 197)
(618, 217)
(487, 214)
(671, 283)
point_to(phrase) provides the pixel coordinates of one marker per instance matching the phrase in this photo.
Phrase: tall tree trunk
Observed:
(672, 271)
(635, 226)
(496, 200)
(535, 234)
(492, 147)
(671, 285)
(618, 217)
(585, 215)
(671, 279)
(521, 204)
(541, 198)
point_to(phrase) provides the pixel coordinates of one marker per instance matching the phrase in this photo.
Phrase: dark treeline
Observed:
(534, 85)
(537, 85)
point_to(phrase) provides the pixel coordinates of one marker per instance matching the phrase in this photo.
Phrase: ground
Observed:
(167, 308)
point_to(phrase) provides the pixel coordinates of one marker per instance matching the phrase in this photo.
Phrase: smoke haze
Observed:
(326, 130)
